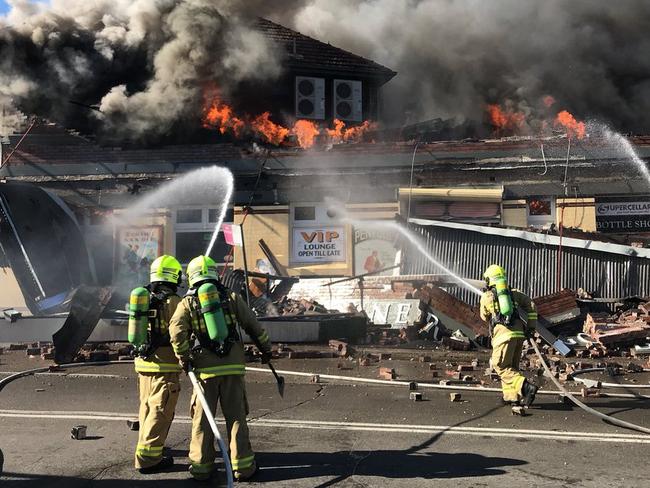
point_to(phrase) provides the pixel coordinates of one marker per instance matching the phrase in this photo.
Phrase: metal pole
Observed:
(198, 389)
(243, 250)
(361, 280)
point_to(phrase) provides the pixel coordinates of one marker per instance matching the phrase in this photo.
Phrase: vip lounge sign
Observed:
(623, 215)
(319, 245)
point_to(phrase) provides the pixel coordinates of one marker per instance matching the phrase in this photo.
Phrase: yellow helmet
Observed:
(201, 268)
(165, 269)
(492, 272)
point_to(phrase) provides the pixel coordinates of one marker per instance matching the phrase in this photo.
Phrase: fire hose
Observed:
(599, 384)
(561, 389)
(195, 383)
(198, 390)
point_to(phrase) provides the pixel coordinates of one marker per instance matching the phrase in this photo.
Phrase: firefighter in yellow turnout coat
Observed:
(219, 366)
(502, 307)
(157, 367)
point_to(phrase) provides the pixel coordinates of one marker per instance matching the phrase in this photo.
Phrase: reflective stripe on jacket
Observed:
(186, 322)
(162, 359)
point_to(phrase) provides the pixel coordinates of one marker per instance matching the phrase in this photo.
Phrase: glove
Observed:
(185, 364)
(266, 357)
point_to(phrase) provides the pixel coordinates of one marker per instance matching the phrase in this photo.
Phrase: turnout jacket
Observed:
(187, 323)
(523, 305)
(162, 359)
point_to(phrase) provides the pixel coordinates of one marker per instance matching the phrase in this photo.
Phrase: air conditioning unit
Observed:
(347, 100)
(310, 97)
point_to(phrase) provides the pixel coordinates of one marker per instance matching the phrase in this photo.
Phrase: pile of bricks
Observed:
(558, 307)
(444, 303)
(613, 331)
(302, 306)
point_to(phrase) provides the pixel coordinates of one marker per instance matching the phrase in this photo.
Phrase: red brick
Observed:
(387, 373)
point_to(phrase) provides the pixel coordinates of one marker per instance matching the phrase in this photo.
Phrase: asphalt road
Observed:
(321, 435)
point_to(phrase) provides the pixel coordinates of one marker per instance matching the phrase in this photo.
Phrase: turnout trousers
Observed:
(507, 344)
(158, 396)
(230, 391)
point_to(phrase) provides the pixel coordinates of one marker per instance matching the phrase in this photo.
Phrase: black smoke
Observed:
(455, 56)
(146, 64)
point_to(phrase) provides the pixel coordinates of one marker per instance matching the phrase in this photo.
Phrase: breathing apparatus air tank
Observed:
(138, 316)
(212, 311)
(504, 297)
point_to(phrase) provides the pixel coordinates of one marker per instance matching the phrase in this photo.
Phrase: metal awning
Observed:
(482, 194)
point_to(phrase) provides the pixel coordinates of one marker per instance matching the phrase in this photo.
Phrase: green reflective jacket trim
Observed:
(515, 384)
(149, 451)
(223, 370)
(181, 348)
(142, 366)
(203, 468)
(242, 463)
(506, 336)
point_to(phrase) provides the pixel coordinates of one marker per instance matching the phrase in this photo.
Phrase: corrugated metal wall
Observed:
(531, 267)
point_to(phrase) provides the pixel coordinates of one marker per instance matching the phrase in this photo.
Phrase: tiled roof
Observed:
(91, 153)
(306, 52)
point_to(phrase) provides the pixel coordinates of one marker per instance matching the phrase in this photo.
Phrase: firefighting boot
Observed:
(528, 391)
(246, 473)
(165, 462)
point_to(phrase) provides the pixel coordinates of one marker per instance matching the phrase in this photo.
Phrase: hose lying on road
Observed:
(53, 368)
(562, 390)
(434, 386)
(606, 418)
(600, 384)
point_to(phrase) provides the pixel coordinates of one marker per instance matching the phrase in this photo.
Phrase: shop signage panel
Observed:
(318, 244)
(623, 215)
(374, 249)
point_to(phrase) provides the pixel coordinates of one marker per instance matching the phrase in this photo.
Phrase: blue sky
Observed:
(4, 7)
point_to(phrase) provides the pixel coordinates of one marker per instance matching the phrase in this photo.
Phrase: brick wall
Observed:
(339, 296)
(440, 300)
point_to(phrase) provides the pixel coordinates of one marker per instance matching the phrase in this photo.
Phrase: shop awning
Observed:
(485, 194)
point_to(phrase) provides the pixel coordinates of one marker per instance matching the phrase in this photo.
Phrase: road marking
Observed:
(71, 375)
(358, 426)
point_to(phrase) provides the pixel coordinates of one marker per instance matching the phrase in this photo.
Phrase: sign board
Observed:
(137, 248)
(623, 215)
(397, 313)
(232, 234)
(374, 249)
(318, 244)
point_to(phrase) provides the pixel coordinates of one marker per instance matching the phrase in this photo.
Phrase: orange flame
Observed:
(572, 126)
(305, 131)
(273, 133)
(505, 120)
(220, 116)
(351, 134)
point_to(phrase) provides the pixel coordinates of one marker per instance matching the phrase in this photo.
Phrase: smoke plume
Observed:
(146, 63)
(454, 57)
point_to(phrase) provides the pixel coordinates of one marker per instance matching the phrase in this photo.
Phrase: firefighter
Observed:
(211, 315)
(503, 309)
(158, 370)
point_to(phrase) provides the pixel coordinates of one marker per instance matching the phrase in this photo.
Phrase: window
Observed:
(189, 216)
(193, 230)
(540, 211)
(304, 213)
(213, 215)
